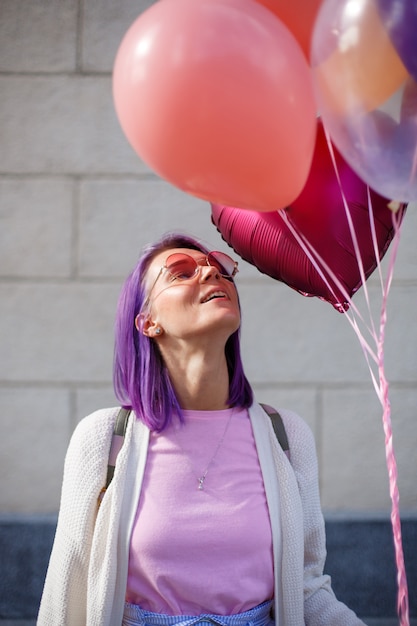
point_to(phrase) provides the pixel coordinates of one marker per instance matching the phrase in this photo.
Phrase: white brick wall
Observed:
(77, 205)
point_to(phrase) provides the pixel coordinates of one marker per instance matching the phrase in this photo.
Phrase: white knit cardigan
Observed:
(87, 573)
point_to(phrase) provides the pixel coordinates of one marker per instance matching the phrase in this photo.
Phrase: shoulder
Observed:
(92, 435)
(301, 441)
(86, 459)
(99, 420)
(302, 445)
(296, 427)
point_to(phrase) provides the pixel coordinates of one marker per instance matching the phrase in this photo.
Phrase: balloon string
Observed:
(374, 238)
(383, 395)
(353, 232)
(320, 265)
(377, 356)
(402, 600)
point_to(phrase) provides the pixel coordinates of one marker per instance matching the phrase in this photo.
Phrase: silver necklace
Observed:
(202, 478)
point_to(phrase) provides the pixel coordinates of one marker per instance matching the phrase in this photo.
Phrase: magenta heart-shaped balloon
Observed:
(265, 240)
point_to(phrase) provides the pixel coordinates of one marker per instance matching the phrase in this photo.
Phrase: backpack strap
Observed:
(279, 428)
(119, 431)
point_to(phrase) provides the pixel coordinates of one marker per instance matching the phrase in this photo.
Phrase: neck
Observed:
(200, 378)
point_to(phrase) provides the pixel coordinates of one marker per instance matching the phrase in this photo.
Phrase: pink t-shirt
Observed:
(202, 551)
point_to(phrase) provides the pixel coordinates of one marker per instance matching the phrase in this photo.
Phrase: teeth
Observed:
(215, 294)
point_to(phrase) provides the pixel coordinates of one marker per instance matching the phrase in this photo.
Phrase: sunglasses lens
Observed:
(181, 266)
(223, 262)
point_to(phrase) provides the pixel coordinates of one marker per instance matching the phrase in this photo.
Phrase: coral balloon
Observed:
(298, 16)
(318, 214)
(366, 97)
(216, 97)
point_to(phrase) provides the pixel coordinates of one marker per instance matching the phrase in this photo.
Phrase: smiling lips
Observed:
(215, 294)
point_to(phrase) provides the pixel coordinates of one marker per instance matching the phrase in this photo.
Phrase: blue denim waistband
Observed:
(258, 616)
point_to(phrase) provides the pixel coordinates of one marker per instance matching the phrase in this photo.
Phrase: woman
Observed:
(205, 520)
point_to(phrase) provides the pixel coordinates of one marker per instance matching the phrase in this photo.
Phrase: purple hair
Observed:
(140, 378)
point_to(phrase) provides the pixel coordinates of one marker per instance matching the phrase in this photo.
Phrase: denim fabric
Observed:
(258, 616)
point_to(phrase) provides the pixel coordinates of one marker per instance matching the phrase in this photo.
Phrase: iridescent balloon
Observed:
(366, 95)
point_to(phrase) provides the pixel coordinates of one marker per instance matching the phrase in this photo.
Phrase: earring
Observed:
(158, 330)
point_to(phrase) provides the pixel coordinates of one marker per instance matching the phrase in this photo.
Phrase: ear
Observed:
(139, 322)
(147, 326)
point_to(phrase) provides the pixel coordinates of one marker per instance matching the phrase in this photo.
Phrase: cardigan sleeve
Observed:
(321, 607)
(65, 590)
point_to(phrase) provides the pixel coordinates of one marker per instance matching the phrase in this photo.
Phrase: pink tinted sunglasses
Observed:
(182, 266)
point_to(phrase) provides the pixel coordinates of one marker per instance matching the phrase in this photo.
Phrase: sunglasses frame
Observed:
(198, 267)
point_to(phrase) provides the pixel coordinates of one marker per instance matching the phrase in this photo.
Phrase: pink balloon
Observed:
(267, 242)
(216, 97)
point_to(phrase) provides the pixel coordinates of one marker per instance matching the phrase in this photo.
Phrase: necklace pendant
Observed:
(201, 483)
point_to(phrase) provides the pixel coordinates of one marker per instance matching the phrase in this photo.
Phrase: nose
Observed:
(207, 272)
